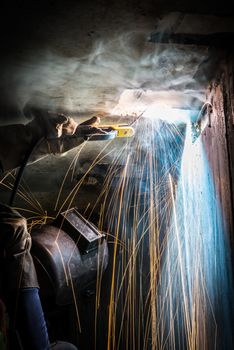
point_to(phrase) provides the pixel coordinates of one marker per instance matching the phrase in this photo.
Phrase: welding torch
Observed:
(103, 132)
(106, 132)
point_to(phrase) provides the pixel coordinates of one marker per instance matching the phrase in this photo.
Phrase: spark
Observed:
(168, 283)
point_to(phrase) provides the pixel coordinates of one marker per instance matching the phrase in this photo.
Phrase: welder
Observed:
(47, 133)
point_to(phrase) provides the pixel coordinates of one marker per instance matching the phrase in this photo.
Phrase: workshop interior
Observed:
(132, 231)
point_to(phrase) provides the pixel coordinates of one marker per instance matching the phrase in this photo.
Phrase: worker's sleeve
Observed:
(16, 142)
(56, 146)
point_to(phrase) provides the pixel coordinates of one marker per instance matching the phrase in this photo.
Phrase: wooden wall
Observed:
(219, 141)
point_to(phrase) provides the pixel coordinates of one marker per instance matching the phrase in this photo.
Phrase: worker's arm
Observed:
(52, 133)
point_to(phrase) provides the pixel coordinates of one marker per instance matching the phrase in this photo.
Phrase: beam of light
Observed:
(170, 115)
(196, 269)
(147, 102)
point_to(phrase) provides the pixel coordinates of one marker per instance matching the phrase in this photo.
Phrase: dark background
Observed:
(57, 26)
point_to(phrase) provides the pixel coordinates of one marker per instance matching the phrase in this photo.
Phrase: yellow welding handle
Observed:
(122, 130)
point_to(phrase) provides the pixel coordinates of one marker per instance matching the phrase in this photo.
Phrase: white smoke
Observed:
(94, 83)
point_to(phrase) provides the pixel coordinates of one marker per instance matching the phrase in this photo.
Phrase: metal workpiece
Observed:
(202, 122)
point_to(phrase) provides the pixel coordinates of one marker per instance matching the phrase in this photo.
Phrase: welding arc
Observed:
(138, 117)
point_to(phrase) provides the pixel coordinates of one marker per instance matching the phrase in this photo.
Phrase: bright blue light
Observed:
(196, 274)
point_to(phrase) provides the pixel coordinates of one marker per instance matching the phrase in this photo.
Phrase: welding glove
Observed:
(59, 132)
(69, 134)
(51, 125)
(46, 133)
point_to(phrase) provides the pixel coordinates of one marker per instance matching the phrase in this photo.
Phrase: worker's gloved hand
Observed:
(45, 133)
(59, 125)
(53, 125)
(68, 134)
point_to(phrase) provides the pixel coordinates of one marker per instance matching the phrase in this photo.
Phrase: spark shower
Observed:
(170, 281)
(171, 284)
